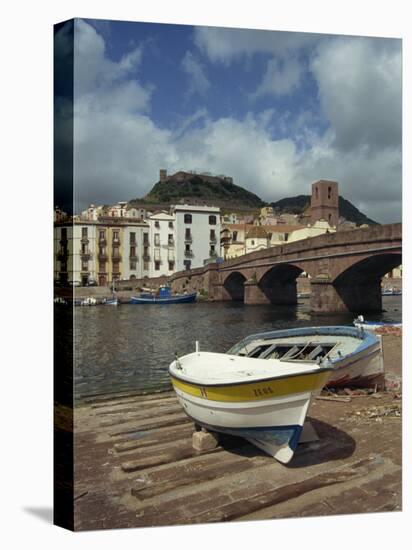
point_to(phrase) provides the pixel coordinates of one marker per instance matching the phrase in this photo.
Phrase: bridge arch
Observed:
(359, 286)
(279, 283)
(234, 286)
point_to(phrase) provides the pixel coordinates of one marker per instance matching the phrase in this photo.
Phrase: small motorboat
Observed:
(110, 301)
(376, 326)
(164, 296)
(262, 387)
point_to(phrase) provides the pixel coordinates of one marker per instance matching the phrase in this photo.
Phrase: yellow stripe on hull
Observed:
(256, 391)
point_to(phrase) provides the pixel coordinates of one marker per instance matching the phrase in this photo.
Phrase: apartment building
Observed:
(102, 251)
(162, 244)
(197, 235)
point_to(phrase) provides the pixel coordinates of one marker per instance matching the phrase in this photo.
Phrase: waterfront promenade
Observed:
(135, 465)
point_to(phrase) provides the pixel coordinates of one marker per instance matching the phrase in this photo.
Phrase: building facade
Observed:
(162, 244)
(197, 235)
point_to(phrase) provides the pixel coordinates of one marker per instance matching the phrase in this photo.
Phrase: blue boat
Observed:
(164, 296)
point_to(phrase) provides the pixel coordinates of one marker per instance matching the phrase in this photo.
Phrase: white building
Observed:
(162, 244)
(197, 235)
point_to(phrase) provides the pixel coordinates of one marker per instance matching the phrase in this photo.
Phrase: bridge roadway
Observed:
(345, 270)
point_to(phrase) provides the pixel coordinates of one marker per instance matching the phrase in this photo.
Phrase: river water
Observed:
(130, 347)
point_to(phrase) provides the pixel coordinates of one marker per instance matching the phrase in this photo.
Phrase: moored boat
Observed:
(164, 296)
(262, 387)
(375, 326)
(111, 301)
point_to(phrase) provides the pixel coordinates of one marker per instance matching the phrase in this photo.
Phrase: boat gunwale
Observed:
(319, 370)
(366, 338)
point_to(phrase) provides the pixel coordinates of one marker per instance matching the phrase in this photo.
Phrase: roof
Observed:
(257, 232)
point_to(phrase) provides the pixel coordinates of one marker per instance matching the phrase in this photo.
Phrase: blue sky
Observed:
(275, 110)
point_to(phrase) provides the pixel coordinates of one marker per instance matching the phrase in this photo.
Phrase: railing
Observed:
(188, 239)
(189, 253)
(146, 257)
(213, 240)
(170, 243)
(116, 258)
(84, 240)
(102, 256)
(213, 253)
(85, 255)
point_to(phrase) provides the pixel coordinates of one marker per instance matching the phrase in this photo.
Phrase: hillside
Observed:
(201, 188)
(298, 204)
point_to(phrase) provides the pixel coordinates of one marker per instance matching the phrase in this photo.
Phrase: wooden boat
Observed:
(90, 301)
(375, 326)
(164, 296)
(262, 387)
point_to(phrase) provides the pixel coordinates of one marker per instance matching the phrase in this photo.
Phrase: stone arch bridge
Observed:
(344, 268)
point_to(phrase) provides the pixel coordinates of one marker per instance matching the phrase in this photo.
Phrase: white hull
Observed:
(276, 415)
(362, 369)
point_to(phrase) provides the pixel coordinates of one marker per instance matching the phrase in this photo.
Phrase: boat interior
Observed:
(297, 349)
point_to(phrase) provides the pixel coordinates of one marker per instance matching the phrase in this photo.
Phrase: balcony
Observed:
(146, 257)
(62, 254)
(116, 258)
(63, 242)
(84, 240)
(189, 253)
(116, 242)
(170, 244)
(188, 239)
(85, 255)
(133, 257)
(102, 241)
(213, 254)
(102, 256)
(213, 240)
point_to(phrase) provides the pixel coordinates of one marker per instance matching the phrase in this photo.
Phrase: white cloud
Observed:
(199, 82)
(223, 45)
(280, 78)
(359, 82)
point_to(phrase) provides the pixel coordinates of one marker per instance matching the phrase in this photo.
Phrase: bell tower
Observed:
(325, 202)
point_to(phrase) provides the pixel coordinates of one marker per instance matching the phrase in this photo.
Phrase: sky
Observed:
(274, 110)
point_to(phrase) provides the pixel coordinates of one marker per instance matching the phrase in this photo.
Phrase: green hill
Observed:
(202, 188)
(298, 204)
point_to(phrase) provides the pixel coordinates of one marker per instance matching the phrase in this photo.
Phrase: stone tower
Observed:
(325, 202)
(162, 174)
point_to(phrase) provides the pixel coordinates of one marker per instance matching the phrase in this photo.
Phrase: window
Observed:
(329, 218)
(171, 266)
(84, 248)
(84, 232)
(85, 265)
(146, 238)
(212, 235)
(234, 236)
(64, 233)
(187, 264)
(170, 225)
(212, 247)
(253, 243)
(102, 266)
(212, 220)
(188, 235)
(157, 224)
(132, 251)
(102, 234)
(188, 218)
(157, 239)
(316, 192)
(146, 266)
(132, 238)
(329, 192)
(170, 239)
(187, 247)
(157, 266)
(115, 236)
(132, 265)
